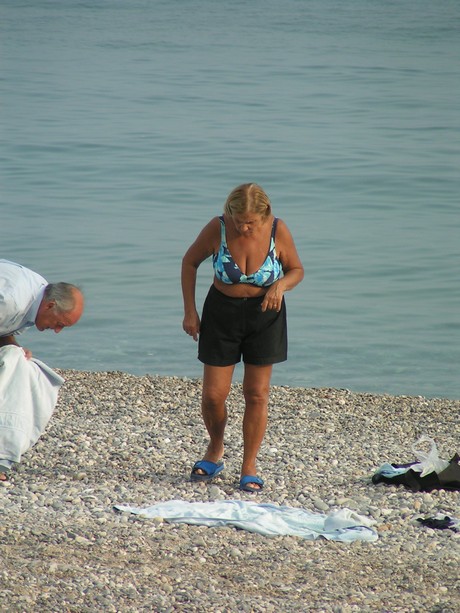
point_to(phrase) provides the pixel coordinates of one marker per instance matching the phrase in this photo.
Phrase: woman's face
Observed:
(247, 223)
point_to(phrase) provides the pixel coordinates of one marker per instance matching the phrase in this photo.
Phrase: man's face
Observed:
(49, 318)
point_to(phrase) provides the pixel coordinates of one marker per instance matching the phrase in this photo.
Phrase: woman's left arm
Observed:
(292, 268)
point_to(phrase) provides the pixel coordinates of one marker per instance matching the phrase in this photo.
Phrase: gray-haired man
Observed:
(28, 388)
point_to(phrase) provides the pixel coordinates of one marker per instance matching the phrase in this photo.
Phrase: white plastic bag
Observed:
(428, 462)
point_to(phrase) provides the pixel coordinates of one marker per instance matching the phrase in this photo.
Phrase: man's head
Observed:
(62, 306)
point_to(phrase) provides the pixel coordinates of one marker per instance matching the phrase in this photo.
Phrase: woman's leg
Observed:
(216, 387)
(256, 388)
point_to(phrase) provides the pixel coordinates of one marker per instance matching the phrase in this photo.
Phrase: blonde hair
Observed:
(248, 197)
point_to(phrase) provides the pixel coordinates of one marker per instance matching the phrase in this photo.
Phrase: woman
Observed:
(255, 261)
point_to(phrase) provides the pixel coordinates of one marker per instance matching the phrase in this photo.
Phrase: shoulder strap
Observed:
(223, 235)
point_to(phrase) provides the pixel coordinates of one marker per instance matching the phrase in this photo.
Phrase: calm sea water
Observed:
(125, 123)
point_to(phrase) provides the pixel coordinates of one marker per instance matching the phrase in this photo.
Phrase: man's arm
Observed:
(8, 340)
(11, 340)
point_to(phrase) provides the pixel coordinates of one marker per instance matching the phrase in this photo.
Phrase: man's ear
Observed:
(50, 305)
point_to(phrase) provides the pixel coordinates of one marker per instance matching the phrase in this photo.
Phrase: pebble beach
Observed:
(119, 439)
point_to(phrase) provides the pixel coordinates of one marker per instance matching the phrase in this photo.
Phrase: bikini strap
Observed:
(223, 234)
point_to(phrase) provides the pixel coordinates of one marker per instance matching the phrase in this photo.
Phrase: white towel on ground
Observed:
(266, 519)
(28, 396)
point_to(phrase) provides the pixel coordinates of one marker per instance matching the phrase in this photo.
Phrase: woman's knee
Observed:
(256, 383)
(256, 393)
(214, 398)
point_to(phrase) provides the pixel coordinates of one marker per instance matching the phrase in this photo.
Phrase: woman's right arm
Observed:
(204, 246)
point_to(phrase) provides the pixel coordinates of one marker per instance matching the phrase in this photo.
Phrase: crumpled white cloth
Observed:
(266, 519)
(28, 396)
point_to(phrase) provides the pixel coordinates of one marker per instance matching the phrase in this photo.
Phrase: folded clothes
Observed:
(263, 518)
(441, 522)
(403, 474)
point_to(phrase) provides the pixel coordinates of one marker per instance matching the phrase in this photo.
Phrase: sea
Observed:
(124, 124)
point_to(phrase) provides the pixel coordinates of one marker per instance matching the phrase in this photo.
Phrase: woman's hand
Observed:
(191, 325)
(273, 299)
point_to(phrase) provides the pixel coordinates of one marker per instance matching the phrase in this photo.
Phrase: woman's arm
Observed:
(200, 250)
(292, 268)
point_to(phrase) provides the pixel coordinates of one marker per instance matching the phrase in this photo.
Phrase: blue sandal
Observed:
(247, 480)
(210, 469)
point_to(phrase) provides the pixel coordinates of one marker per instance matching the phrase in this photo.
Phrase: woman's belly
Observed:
(239, 290)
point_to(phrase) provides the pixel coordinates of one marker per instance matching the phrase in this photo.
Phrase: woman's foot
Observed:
(251, 483)
(204, 470)
(213, 456)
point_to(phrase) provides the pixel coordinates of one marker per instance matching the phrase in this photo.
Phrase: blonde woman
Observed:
(255, 262)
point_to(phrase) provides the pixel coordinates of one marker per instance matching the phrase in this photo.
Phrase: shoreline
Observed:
(290, 386)
(117, 438)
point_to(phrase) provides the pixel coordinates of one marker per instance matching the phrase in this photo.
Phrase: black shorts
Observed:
(235, 327)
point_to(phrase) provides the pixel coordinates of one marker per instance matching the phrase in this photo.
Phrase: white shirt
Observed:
(21, 292)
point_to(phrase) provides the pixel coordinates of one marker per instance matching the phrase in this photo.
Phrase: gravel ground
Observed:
(121, 439)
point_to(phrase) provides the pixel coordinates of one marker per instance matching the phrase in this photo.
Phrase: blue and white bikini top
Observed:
(227, 270)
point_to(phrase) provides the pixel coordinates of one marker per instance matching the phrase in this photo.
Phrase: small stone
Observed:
(320, 504)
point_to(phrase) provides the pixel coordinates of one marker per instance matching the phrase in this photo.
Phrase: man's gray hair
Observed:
(63, 294)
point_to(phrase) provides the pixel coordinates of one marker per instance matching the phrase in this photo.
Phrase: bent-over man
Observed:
(28, 388)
